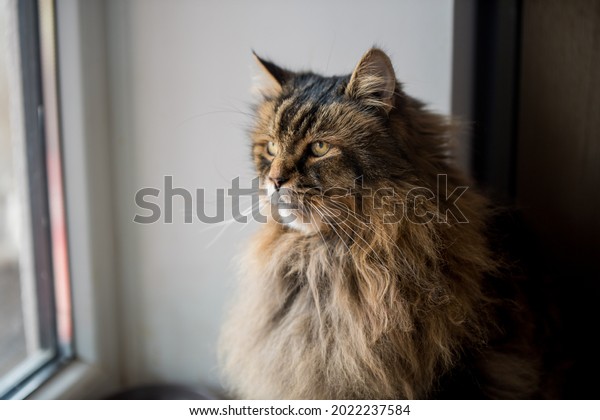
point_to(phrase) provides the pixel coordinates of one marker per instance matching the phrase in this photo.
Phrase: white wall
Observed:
(179, 72)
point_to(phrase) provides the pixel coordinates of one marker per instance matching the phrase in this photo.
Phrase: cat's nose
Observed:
(278, 182)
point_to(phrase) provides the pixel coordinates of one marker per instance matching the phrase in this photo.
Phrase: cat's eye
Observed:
(319, 148)
(272, 148)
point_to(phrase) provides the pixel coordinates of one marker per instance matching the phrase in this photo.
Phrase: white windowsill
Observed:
(78, 380)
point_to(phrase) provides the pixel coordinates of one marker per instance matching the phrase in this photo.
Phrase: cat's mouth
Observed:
(308, 210)
(293, 208)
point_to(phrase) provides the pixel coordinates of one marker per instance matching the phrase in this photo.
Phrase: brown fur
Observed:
(365, 308)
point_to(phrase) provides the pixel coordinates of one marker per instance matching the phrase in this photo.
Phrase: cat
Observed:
(369, 281)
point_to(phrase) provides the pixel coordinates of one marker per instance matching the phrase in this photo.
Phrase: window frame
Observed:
(92, 371)
(45, 218)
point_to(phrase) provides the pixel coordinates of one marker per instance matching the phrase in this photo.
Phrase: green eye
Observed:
(319, 148)
(272, 148)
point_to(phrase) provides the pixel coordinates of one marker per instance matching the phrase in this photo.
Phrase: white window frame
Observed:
(83, 87)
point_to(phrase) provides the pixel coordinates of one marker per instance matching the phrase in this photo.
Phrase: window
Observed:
(35, 320)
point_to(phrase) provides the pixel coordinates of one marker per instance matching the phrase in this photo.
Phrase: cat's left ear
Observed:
(274, 77)
(373, 80)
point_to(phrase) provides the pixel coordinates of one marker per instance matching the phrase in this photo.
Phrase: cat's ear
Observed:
(373, 80)
(271, 77)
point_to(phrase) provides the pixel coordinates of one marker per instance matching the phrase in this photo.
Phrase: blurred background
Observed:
(99, 99)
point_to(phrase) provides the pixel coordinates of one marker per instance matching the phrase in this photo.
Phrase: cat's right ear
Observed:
(271, 77)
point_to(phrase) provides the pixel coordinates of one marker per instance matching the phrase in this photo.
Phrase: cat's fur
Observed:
(362, 307)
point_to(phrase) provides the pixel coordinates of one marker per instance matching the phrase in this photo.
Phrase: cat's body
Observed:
(364, 305)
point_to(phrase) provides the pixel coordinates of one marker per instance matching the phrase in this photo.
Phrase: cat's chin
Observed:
(297, 221)
(292, 218)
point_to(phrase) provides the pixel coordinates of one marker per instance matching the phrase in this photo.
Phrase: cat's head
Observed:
(317, 136)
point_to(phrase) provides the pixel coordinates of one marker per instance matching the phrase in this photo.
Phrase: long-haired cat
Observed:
(374, 277)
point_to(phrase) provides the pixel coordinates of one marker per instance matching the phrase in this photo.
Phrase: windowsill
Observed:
(77, 380)
(24, 369)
